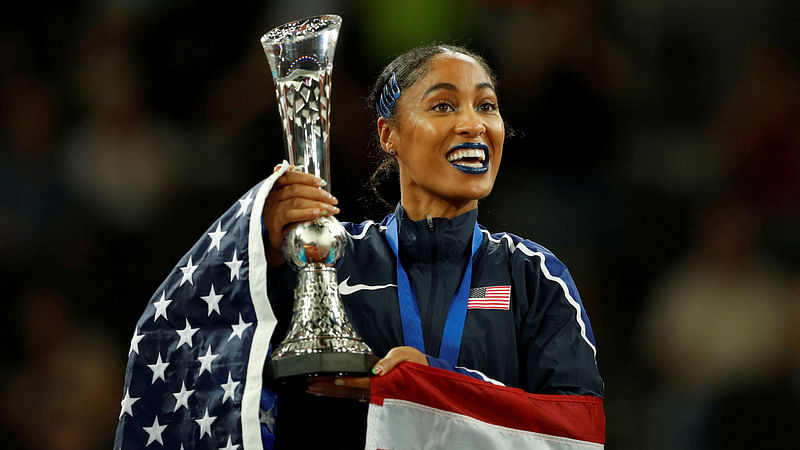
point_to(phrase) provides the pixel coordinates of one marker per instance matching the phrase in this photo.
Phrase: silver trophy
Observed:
(320, 339)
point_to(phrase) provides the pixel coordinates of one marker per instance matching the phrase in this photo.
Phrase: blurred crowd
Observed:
(655, 149)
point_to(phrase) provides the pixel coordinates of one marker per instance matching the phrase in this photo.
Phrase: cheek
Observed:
(497, 134)
(416, 132)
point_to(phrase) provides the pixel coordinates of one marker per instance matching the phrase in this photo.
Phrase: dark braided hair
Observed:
(409, 68)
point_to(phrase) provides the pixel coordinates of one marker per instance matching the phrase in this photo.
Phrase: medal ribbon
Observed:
(409, 307)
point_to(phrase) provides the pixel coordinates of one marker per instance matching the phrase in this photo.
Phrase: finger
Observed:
(330, 388)
(292, 177)
(397, 355)
(297, 210)
(352, 382)
(298, 190)
(311, 211)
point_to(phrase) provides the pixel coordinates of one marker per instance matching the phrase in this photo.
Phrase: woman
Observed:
(439, 123)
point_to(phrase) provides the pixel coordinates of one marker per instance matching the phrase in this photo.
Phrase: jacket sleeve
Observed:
(555, 339)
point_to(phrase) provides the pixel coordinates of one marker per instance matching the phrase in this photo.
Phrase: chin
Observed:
(478, 193)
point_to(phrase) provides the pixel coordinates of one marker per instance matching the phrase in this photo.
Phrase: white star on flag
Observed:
(161, 308)
(154, 432)
(213, 300)
(216, 237)
(182, 397)
(138, 337)
(229, 388)
(158, 369)
(244, 203)
(239, 328)
(205, 424)
(186, 334)
(188, 271)
(128, 401)
(234, 264)
(206, 360)
(230, 445)
(267, 418)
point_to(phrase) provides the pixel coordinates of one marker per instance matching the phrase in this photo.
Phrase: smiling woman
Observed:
(428, 284)
(448, 135)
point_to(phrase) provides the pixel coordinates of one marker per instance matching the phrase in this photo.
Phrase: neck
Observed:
(419, 207)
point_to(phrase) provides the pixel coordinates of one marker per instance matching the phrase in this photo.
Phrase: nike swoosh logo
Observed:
(347, 289)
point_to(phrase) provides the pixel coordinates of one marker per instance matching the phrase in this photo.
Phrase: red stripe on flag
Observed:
(568, 416)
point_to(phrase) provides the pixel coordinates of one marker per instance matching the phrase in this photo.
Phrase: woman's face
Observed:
(448, 135)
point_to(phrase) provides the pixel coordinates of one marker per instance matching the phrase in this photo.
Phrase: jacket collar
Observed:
(436, 238)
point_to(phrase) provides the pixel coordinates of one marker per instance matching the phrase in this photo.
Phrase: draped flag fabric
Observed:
(195, 362)
(415, 406)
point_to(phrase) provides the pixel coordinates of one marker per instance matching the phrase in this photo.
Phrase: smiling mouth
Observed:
(470, 157)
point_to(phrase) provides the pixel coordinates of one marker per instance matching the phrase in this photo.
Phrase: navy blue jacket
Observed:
(543, 343)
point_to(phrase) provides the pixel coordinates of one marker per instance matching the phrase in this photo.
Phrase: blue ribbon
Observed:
(409, 307)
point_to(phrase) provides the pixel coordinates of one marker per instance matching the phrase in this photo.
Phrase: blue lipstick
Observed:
(468, 169)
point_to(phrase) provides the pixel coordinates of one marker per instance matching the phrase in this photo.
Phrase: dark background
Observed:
(657, 153)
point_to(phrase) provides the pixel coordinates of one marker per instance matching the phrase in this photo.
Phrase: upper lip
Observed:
(479, 145)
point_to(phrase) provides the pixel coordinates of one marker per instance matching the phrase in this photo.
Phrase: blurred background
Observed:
(657, 153)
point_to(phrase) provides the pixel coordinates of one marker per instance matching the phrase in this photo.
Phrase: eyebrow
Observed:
(452, 87)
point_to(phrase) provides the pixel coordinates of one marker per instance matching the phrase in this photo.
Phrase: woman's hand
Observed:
(296, 197)
(358, 387)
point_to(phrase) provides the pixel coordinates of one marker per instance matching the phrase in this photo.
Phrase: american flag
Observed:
(193, 378)
(415, 406)
(489, 297)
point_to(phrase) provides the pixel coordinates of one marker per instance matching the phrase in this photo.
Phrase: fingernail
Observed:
(322, 183)
(333, 199)
(377, 370)
(338, 382)
(335, 210)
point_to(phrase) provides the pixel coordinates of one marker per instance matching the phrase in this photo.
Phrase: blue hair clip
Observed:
(388, 98)
(394, 88)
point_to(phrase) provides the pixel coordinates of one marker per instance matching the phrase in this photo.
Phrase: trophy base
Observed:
(297, 368)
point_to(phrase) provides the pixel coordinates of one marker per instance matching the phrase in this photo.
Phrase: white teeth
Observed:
(474, 165)
(467, 153)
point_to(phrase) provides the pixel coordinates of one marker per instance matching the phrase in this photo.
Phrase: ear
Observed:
(385, 133)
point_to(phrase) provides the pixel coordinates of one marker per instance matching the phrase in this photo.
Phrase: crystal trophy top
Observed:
(300, 55)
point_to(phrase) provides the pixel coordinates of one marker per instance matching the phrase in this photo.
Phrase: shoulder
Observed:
(365, 238)
(521, 250)
(363, 230)
(553, 280)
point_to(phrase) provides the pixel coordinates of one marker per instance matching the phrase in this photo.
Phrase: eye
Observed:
(443, 107)
(487, 107)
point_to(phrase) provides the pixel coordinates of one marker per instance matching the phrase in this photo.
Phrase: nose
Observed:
(469, 123)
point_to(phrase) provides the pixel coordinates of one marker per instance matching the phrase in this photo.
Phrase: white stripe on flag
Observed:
(410, 425)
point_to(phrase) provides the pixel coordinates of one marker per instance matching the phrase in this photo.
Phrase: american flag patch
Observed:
(490, 297)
